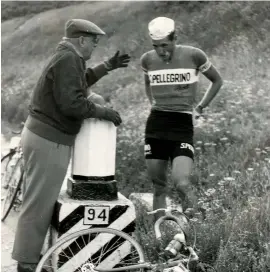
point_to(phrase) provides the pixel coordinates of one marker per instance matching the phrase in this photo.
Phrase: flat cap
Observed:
(75, 28)
(160, 27)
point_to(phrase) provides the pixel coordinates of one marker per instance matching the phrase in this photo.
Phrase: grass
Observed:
(13, 10)
(232, 143)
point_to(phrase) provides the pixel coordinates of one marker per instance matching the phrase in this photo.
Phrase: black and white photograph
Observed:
(135, 136)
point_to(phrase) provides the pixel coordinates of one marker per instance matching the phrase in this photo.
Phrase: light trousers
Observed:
(45, 166)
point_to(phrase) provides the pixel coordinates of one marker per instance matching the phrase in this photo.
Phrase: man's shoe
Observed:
(26, 267)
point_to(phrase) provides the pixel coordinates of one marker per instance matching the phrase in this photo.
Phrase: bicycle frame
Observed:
(170, 262)
(145, 265)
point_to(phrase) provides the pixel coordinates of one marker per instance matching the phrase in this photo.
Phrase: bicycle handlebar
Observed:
(157, 210)
(168, 217)
(166, 210)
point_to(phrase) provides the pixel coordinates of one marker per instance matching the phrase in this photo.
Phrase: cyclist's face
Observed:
(164, 48)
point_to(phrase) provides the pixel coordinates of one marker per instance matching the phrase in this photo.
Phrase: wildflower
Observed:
(198, 148)
(236, 172)
(214, 144)
(229, 178)
(224, 139)
(222, 182)
(250, 169)
(211, 175)
(210, 192)
(200, 202)
(223, 119)
(207, 144)
(199, 142)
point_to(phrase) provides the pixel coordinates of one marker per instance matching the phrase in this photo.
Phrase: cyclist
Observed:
(171, 74)
(58, 107)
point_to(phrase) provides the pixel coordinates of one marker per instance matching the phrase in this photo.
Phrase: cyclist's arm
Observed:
(211, 73)
(148, 88)
(146, 78)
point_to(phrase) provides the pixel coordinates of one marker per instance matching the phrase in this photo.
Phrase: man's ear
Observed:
(81, 41)
(175, 37)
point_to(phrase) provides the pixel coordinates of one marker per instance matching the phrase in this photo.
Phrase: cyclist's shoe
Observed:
(202, 267)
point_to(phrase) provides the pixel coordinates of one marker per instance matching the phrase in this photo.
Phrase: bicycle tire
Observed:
(12, 190)
(5, 165)
(8, 154)
(49, 257)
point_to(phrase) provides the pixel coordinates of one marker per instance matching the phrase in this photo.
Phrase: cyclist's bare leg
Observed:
(181, 170)
(157, 171)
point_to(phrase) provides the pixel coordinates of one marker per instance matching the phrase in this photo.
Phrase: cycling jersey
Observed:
(174, 83)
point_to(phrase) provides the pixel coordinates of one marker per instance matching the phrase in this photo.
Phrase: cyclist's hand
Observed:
(117, 61)
(198, 111)
(108, 114)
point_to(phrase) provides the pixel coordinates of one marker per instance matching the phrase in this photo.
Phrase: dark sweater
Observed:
(59, 101)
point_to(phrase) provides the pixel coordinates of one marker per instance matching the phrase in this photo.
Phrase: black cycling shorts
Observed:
(174, 126)
(166, 149)
(168, 135)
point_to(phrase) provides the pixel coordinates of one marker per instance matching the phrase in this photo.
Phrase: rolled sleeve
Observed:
(94, 74)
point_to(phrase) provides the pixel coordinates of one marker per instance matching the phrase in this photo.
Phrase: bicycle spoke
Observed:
(103, 249)
(101, 255)
(134, 258)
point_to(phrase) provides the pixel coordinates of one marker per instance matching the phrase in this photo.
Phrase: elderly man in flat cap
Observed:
(58, 106)
(171, 74)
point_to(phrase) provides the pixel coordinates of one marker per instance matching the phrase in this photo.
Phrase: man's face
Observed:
(88, 46)
(164, 48)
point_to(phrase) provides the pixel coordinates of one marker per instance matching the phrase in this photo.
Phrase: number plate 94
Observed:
(96, 215)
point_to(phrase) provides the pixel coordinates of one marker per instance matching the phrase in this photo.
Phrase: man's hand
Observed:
(113, 116)
(117, 61)
(108, 114)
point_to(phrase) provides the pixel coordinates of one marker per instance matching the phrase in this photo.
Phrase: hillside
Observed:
(13, 9)
(27, 43)
(232, 143)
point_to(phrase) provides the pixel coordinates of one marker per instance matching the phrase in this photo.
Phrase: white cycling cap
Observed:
(160, 27)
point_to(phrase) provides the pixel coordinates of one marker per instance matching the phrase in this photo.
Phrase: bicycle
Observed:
(12, 176)
(111, 250)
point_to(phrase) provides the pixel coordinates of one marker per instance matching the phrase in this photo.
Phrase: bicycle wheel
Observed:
(94, 249)
(8, 155)
(5, 169)
(14, 185)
